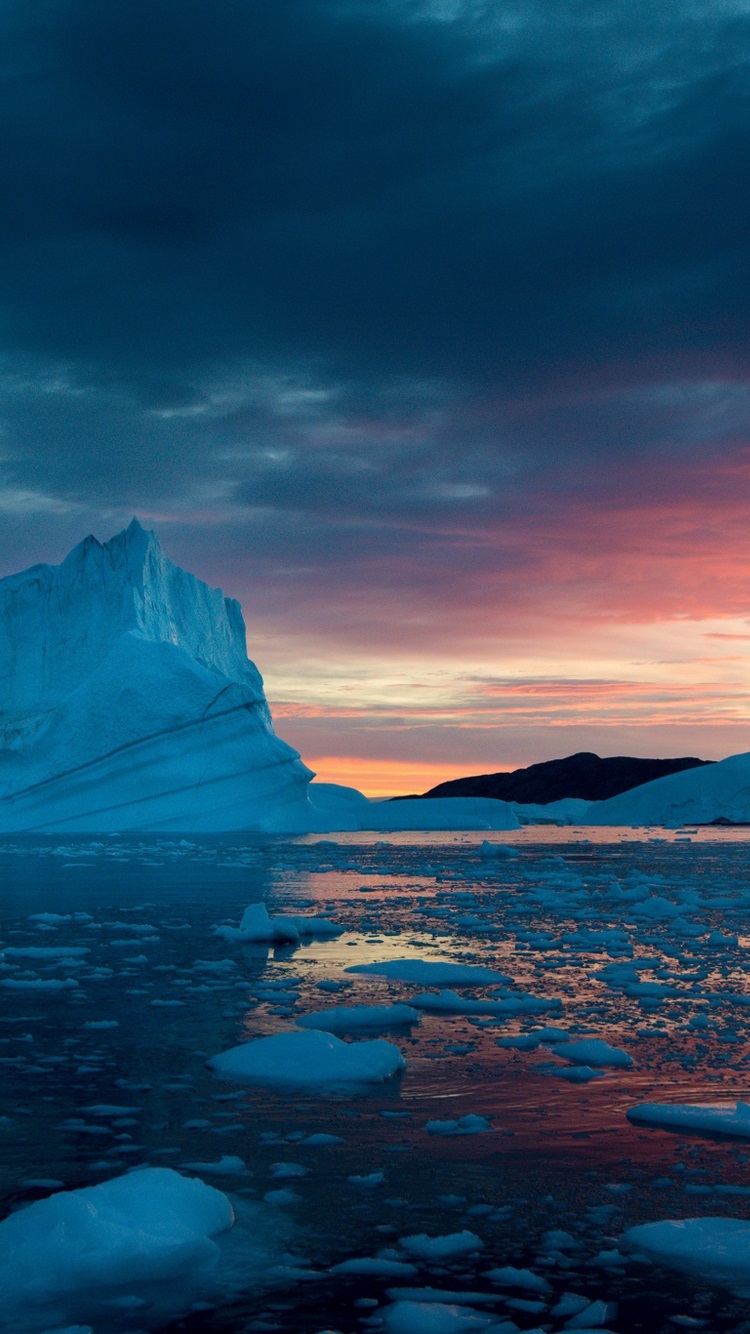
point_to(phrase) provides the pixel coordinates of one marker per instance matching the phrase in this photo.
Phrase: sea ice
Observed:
(438, 1249)
(594, 1050)
(728, 1118)
(149, 1225)
(129, 702)
(309, 1058)
(717, 1249)
(695, 796)
(470, 1124)
(433, 1318)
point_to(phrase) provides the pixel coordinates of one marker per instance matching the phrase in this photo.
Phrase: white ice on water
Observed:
(717, 1249)
(310, 1058)
(731, 1118)
(256, 927)
(148, 1226)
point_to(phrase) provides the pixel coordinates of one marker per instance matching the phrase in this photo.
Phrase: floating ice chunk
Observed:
(510, 1277)
(571, 1303)
(368, 1182)
(309, 1058)
(226, 1166)
(447, 1247)
(594, 1050)
(595, 1315)
(488, 849)
(256, 927)
(282, 1198)
(717, 1249)
(321, 1140)
(433, 1318)
(375, 1266)
(575, 1074)
(349, 1018)
(432, 971)
(147, 1226)
(728, 1118)
(285, 1171)
(465, 1125)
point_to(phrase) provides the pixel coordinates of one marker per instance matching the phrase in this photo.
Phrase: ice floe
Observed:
(717, 1249)
(731, 1118)
(309, 1058)
(148, 1226)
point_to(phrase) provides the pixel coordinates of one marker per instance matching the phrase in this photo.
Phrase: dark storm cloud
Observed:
(185, 182)
(368, 280)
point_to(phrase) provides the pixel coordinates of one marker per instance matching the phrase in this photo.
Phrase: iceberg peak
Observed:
(130, 701)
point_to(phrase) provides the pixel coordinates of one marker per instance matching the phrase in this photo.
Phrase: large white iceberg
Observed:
(695, 796)
(129, 702)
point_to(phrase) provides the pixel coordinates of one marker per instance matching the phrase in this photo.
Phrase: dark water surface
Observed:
(559, 1155)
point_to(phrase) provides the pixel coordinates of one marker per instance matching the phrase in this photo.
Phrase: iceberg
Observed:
(713, 793)
(130, 702)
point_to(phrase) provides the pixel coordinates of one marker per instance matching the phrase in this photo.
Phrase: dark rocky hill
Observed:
(582, 775)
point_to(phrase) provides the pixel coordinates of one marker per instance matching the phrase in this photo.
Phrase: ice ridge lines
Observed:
(247, 706)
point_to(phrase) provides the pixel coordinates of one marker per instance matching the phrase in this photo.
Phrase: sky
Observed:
(420, 326)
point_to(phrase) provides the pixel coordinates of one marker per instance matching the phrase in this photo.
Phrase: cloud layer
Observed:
(421, 325)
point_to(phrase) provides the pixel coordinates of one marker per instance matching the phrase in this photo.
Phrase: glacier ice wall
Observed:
(129, 702)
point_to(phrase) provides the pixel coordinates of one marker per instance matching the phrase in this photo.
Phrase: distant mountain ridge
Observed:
(582, 775)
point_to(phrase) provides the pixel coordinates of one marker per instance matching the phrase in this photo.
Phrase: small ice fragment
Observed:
(226, 1166)
(510, 1277)
(375, 1266)
(441, 1248)
(282, 1198)
(594, 1316)
(368, 1182)
(284, 1171)
(594, 1051)
(470, 1124)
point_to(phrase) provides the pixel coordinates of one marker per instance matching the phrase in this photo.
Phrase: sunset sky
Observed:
(419, 326)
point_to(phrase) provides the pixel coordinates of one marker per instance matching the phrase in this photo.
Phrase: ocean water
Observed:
(157, 993)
